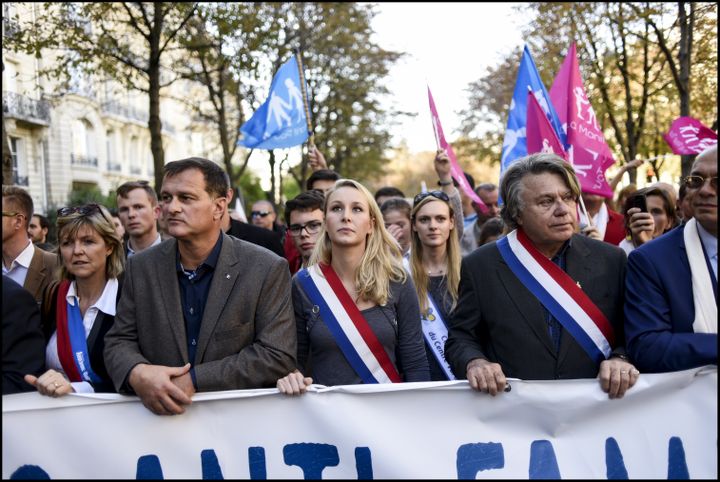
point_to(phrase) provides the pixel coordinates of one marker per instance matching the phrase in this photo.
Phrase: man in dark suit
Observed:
(671, 307)
(507, 323)
(202, 311)
(23, 343)
(251, 233)
(28, 265)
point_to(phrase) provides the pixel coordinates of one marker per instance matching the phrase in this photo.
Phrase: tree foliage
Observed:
(628, 74)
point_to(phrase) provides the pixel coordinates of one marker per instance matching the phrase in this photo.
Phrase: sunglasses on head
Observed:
(436, 194)
(696, 182)
(10, 214)
(259, 214)
(84, 210)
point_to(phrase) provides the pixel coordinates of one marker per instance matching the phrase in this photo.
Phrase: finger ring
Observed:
(623, 372)
(57, 385)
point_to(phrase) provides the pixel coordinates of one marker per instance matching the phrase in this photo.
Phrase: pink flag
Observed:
(587, 150)
(455, 171)
(689, 136)
(541, 136)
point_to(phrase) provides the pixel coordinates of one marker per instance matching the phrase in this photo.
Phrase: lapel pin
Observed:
(578, 284)
(228, 276)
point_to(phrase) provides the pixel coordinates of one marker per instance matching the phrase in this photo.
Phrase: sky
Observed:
(448, 46)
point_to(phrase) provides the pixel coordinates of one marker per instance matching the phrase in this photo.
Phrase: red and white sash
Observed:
(351, 331)
(559, 294)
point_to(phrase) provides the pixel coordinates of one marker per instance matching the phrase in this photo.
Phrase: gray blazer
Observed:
(247, 336)
(498, 318)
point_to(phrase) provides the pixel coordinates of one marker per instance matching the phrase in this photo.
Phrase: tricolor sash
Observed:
(71, 342)
(559, 294)
(349, 328)
(434, 330)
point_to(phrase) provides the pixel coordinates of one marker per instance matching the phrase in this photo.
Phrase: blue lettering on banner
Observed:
(614, 463)
(677, 465)
(472, 458)
(543, 463)
(256, 461)
(311, 458)
(149, 468)
(210, 466)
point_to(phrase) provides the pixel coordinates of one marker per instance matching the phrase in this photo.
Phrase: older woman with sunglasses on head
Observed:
(435, 268)
(80, 309)
(355, 307)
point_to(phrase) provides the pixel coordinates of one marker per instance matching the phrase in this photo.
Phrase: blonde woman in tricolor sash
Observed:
(356, 310)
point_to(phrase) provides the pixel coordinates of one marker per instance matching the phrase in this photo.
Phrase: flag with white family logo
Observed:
(280, 121)
(515, 143)
(586, 147)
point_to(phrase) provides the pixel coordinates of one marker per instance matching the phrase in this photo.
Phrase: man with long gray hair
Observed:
(544, 302)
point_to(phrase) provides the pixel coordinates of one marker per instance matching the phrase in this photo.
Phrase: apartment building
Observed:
(92, 133)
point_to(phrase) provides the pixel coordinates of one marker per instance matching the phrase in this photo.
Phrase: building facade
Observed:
(93, 133)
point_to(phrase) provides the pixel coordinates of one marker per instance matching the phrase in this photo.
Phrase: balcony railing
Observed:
(25, 108)
(81, 160)
(122, 110)
(114, 166)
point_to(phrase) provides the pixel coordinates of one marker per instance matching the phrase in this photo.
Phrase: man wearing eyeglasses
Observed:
(304, 215)
(30, 266)
(671, 296)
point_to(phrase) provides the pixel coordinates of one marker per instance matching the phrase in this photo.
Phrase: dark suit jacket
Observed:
(247, 334)
(42, 270)
(95, 340)
(256, 235)
(23, 344)
(659, 311)
(499, 319)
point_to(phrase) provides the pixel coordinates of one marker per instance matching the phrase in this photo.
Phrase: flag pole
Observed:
(303, 88)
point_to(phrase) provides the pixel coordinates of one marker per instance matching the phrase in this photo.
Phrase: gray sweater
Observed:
(396, 325)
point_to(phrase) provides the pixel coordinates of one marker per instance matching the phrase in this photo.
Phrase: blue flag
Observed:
(280, 122)
(515, 143)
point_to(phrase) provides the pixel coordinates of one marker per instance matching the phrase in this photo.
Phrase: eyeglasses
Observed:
(696, 182)
(84, 210)
(311, 227)
(11, 214)
(436, 194)
(260, 214)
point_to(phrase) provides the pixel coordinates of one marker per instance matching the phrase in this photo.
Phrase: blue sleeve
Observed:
(655, 341)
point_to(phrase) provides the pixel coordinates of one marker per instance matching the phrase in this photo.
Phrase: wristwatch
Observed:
(621, 356)
(445, 183)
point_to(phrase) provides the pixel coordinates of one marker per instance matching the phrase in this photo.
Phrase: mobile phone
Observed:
(638, 201)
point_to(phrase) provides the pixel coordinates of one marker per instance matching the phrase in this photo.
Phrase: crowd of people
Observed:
(171, 295)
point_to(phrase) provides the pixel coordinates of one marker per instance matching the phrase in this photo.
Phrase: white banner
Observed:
(665, 427)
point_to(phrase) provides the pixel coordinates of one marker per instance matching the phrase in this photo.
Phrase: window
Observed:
(19, 161)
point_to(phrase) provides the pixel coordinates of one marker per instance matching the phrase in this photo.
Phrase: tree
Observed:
(128, 42)
(344, 70)
(225, 42)
(679, 55)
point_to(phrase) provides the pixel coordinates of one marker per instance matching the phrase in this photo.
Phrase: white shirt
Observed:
(626, 245)
(19, 267)
(106, 303)
(600, 219)
(155, 243)
(711, 247)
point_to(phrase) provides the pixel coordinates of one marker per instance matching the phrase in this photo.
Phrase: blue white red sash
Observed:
(351, 331)
(559, 294)
(71, 342)
(434, 330)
